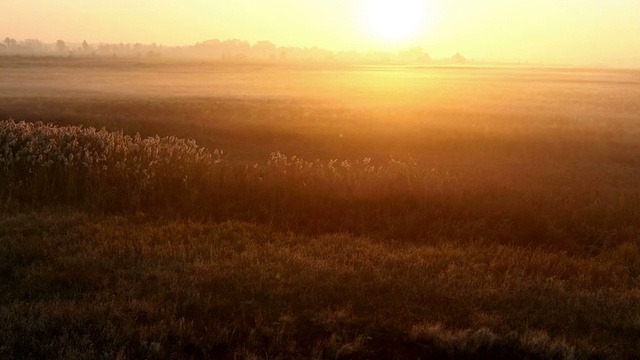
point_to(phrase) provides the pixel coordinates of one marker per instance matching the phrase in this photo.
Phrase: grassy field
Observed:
(356, 212)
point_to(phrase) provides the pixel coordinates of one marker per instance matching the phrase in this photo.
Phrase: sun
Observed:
(396, 19)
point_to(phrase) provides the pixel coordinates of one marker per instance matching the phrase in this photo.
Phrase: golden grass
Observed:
(396, 199)
(49, 164)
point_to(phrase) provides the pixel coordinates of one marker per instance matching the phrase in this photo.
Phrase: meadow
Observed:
(164, 209)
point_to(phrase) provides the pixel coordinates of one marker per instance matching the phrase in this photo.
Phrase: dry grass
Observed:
(397, 199)
(85, 286)
(48, 164)
(508, 228)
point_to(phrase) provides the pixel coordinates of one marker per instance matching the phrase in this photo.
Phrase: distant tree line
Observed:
(228, 50)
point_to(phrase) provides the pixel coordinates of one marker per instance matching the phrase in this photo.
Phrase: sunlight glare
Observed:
(396, 19)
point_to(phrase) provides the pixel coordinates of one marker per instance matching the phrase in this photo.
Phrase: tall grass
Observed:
(109, 170)
(49, 164)
(394, 199)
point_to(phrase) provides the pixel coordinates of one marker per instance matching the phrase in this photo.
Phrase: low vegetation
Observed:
(236, 289)
(504, 225)
(103, 286)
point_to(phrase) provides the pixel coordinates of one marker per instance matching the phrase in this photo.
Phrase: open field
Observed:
(481, 212)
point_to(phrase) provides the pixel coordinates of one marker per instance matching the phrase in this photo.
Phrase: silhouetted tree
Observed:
(10, 42)
(34, 45)
(61, 46)
(86, 48)
(459, 59)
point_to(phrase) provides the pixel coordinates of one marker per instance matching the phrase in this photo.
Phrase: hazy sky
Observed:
(574, 31)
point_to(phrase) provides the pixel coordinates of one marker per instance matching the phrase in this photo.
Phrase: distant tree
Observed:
(61, 46)
(264, 49)
(34, 45)
(378, 56)
(415, 54)
(104, 49)
(209, 48)
(10, 42)
(86, 48)
(235, 49)
(459, 59)
(212, 42)
(425, 58)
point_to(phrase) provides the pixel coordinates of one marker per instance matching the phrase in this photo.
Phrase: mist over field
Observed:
(166, 208)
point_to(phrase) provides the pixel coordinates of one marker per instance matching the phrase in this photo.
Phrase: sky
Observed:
(537, 31)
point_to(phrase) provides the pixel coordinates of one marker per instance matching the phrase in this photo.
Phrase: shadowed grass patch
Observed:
(137, 286)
